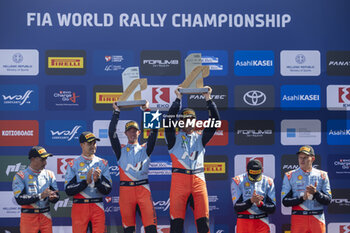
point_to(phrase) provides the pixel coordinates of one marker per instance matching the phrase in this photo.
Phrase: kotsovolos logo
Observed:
(160, 97)
(290, 162)
(215, 167)
(65, 62)
(65, 97)
(301, 132)
(300, 63)
(19, 62)
(338, 132)
(340, 203)
(338, 97)
(112, 62)
(19, 97)
(254, 63)
(338, 166)
(254, 132)
(219, 96)
(300, 97)
(160, 62)
(63, 132)
(339, 227)
(217, 60)
(105, 95)
(254, 97)
(19, 132)
(267, 161)
(10, 165)
(338, 63)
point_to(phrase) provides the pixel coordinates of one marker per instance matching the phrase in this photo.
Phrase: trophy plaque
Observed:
(195, 72)
(132, 87)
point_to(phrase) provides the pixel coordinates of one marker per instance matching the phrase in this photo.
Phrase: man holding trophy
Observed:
(187, 149)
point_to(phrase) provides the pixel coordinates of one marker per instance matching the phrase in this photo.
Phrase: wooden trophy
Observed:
(132, 87)
(195, 72)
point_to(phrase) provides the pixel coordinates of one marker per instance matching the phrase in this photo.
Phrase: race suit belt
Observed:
(187, 171)
(36, 210)
(133, 183)
(87, 200)
(252, 216)
(307, 212)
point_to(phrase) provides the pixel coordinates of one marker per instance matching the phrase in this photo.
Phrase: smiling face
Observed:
(133, 135)
(88, 148)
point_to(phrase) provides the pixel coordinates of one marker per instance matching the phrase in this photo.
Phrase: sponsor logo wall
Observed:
(276, 86)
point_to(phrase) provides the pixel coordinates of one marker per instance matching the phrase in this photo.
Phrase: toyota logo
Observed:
(254, 98)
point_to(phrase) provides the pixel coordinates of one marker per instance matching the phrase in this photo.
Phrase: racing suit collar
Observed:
(88, 158)
(33, 171)
(306, 172)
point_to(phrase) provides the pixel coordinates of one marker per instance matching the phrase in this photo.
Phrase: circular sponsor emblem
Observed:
(30, 177)
(17, 58)
(81, 164)
(300, 58)
(300, 177)
(247, 184)
(127, 149)
(254, 98)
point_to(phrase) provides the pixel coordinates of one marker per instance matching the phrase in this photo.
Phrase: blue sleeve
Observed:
(19, 190)
(104, 184)
(237, 198)
(71, 186)
(287, 194)
(324, 196)
(269, 202)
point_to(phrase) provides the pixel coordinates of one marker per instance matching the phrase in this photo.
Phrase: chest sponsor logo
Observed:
(300, 63)
(254, 63)
(65, 62)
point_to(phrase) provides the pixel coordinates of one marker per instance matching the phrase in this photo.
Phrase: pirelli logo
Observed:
(66, 62)
(107, 97)
(214, 167)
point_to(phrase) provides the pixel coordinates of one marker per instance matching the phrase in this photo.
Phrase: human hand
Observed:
(177, 93)
(311, 188)
(45, 193)
(88, 178)
(53, 195)
(145, 106)
(97, 174)
(306, 195)
(115, 107)
(207, 95)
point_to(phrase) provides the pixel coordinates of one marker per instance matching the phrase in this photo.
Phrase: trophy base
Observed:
(194, 90)
(131, 103)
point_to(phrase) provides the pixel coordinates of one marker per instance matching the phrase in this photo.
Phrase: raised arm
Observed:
(208, 133)
(170, 133)
(112, 132)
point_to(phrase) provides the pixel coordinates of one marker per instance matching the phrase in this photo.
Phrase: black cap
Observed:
(254, 170)
(188, 112)
(308, 150)
(38, 151)
(131, 124)
(87, 137)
